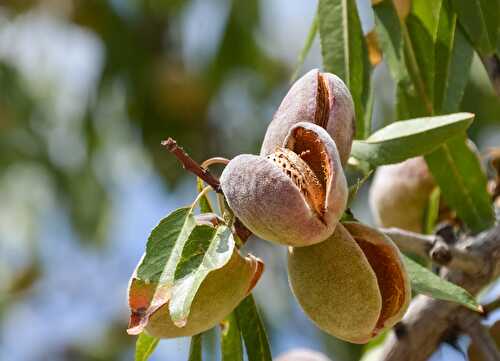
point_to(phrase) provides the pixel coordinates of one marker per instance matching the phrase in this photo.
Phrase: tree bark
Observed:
(428, 320)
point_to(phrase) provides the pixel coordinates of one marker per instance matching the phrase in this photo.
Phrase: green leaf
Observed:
(427, 283)
(231, 347)
(480, 19)
(195, 353)
(458, 172)
(206, 250)
(344, 51)
(205, 206)
(388, 29)
(164, 246)
(410, 138)
(391, 34)
(253, 331)
(422, 29)
(453, 59)
(154, 278)
(432, 211)
(145, 346)
(307, 47)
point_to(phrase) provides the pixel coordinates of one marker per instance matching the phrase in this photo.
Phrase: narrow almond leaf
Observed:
(432, 211)
(391, 32)
(307, 47)
(410, 138)
(427, 283)
(253, 331)
(206, 250)
(231, 346)
(195, 351)
(480, 19)
(145, 346)
(422, 29)
(453, 59)
(154, 277)
(344, 51)
(458, 172)
(205, 205)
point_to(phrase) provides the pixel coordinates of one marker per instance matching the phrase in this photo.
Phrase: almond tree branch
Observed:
(425, 324)
(435, 249)
(191, 165)
(492, 306)
(480, 336)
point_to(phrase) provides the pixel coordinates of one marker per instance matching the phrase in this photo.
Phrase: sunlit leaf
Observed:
(145, 346)
(425, 282)
(344, 51)
(432, 211)
(253, 331)
(453, 55)
(458, 172)
(156, 271)
(206, 250)
(391, 32)
(205, 205)
(480, 19)
(231, 346)
(410, 138)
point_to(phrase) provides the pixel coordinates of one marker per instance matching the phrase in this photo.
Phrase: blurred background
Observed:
(88, 89)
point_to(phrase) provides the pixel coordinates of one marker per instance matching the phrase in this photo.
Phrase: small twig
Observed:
(191, 165)
(480, 336)
(435, 249)
(491, 306)
(200, 170)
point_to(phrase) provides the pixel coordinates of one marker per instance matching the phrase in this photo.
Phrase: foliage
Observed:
(429, 52)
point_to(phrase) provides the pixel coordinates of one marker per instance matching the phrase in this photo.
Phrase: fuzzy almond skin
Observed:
(389, 268)
(302, 354)
(270, 205)
(336, 286)
(300, 105)
(400, 193)
(219, 294)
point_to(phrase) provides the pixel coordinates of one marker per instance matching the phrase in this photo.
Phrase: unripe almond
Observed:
(302, 354)
(352, 287)
(217, 297)
(400, 193)
(296, 195)
(319, 98)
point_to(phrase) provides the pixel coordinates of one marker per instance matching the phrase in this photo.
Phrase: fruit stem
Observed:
(191, 165)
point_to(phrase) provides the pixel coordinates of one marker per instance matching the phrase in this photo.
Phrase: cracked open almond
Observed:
(294, 196)
(319, 98)
(353, 285)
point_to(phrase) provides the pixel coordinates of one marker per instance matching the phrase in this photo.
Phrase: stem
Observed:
(492, 306)
(214, 160)
(191, 165)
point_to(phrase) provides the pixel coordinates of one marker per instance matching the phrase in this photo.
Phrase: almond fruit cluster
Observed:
(348, 277)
